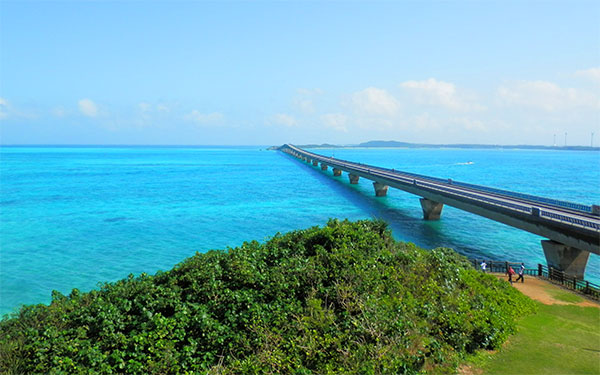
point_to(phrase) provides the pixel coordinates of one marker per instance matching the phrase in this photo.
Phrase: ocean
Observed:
(76, 217)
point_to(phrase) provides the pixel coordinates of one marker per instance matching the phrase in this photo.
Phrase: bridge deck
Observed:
(565, 222)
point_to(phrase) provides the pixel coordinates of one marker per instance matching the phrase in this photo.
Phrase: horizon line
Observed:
(324, 145)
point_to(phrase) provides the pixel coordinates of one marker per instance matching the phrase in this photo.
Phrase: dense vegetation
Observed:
(345, 298)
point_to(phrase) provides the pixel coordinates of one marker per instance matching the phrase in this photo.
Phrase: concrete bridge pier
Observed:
(565, 258)
(353, 178)
(337, 172)
(380, 189)
(432, 210)
(323, 166)
(315, 162)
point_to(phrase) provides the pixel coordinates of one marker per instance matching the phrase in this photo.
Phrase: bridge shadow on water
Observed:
(406, 224)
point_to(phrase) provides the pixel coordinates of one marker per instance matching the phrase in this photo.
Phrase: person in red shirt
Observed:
(511, 272)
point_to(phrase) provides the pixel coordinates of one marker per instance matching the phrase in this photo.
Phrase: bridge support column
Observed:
(315, 162)
(431, 210)
(337, 172)
(380, 189)
(353, 179)
(570, 260)
(323, 166)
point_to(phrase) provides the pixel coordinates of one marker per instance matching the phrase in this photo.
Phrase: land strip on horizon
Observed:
(396, 144)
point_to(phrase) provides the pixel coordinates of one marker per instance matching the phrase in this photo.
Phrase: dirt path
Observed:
(541, 290)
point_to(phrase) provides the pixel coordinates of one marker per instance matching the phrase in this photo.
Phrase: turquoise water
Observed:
(75, 217)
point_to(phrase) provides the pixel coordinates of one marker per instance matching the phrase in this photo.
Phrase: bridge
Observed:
(572, 230)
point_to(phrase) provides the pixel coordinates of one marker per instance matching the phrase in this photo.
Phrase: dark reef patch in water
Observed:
(115, 219)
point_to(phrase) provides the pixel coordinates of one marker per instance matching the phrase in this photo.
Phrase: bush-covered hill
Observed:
(345, 298)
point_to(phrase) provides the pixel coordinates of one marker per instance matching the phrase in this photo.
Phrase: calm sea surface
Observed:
(75, 217)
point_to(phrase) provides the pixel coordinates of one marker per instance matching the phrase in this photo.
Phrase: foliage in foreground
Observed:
(345, 298)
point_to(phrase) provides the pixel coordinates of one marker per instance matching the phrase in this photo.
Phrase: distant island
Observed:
(396, 144)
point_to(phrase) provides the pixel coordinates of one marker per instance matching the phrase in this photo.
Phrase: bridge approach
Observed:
(572, 230)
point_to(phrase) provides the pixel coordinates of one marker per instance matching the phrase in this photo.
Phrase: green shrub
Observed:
(345, 298)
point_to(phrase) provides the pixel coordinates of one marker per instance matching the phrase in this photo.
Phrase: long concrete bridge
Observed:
(572, 230)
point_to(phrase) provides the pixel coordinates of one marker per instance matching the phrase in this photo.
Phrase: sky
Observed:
(268, 73)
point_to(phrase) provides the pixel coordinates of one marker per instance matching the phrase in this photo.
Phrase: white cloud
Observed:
(469, 123)
(59, 112)
(304, 105)
(440, 93)
(88, 107)
(282, 119)
(424, 121)
(162, 108)
(7, 110)
(304, 100)
(204, 118)
(376, 123)
(374, 101)
(336, 121)
(3, 108)
(144, 107)
(546, 96)
(592, 74)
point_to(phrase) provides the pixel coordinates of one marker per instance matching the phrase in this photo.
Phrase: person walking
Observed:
(521, 272)
(483, 266)
(511, 272)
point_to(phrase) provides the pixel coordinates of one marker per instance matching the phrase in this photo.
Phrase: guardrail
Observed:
(570, 220)
(529, 197)
(582, 286)
(496, 266)
(534, 198)
(475, 192)
(551, 274)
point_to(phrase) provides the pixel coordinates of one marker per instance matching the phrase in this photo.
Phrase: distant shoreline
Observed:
(394, 144)
(370, 144)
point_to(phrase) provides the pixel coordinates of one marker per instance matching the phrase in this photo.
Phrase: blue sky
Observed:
(262, 73)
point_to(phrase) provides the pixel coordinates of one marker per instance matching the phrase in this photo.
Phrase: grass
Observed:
(563, 295)
(558, 339)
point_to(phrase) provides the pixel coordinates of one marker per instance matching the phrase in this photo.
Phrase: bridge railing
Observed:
(551, 274)
(529, 197)
(497, 202)
(534, 198)
(477, 192)
(571, 220)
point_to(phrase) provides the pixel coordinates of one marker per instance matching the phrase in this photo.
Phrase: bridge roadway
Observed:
(572, 230)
